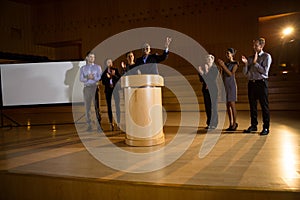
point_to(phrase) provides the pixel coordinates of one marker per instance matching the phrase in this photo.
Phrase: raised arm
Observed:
(167, 44)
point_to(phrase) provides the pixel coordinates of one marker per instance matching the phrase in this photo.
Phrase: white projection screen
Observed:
(41, 83)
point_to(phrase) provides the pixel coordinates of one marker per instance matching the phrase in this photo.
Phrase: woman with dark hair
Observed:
(126, 67)
(228, 70)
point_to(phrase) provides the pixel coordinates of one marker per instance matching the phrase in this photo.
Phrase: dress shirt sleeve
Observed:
(82, 77)
(264, 66)
(98, 74)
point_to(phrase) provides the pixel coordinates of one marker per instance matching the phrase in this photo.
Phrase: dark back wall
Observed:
(67, 29)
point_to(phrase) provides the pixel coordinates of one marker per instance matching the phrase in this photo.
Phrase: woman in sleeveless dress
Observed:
(228, 70)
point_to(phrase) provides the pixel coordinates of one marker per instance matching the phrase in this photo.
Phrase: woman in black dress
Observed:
(208, 75)
(109, 78)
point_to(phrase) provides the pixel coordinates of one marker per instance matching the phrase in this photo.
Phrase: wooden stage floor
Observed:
(50, 160)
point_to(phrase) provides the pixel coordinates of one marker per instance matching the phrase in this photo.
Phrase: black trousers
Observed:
(258, 90)
(109, 94)
(211, 107)
(97, 105)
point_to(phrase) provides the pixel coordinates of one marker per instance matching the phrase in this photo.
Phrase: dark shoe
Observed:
(232, 128)
(229, 128)
(251, 129)
(212, 127)
(99, 129)
(265, 131)
(89, 129)
(112, 126)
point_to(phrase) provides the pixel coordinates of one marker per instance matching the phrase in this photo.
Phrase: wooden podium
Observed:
(143, 109)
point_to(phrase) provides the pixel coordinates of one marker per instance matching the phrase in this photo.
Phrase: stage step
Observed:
(283, 93)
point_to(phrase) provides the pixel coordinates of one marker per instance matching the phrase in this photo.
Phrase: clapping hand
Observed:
(123, 65)
(168, 41)
(91, 76)
(206, 68)
(113, 72)
(201, 70)
(221, 63)
(255, 57)
(244, 60)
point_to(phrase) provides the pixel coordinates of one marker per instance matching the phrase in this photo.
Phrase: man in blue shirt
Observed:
(90, 74)
(256, 69)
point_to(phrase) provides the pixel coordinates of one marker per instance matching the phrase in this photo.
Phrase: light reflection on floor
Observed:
(238, 160)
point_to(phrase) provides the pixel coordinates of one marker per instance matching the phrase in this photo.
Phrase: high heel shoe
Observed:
(112, 126)
(229, 128)
(233, 128)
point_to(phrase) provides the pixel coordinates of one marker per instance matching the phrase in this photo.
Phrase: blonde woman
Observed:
(208, 75)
